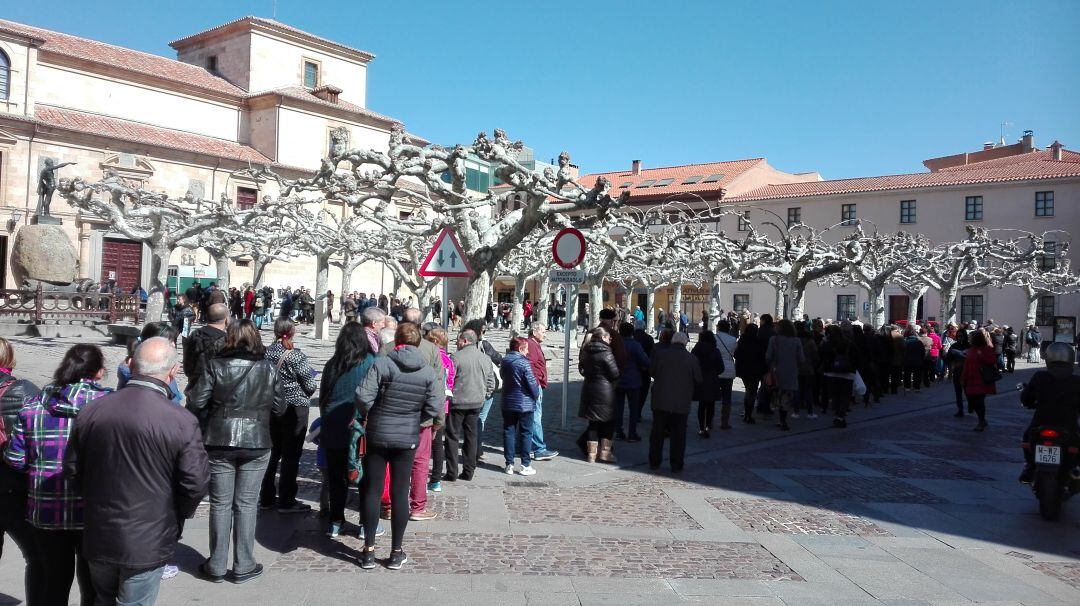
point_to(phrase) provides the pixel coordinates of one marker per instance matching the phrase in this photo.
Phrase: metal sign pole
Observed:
(444, 312)
(566, 353)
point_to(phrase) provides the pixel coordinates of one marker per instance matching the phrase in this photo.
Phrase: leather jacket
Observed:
(11, 403)
(234, 399)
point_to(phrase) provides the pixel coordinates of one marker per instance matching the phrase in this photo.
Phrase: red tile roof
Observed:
(1029, 166)
(124, 58)
(678, 174)
(302, 94)
(272, 24)
(157, 136)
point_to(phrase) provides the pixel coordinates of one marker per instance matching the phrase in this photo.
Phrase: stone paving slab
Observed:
(641, 508)
(884, 490)
(761, 515)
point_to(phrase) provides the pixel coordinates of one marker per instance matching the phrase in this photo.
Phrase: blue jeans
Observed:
(517, 429)
(484, 411)
(235, 478)
(125, 586)
(538, 444)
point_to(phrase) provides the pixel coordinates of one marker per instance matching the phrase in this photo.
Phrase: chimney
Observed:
(1028, 141)
(1056, 147)
(635, 168)
(988, 145)
(328, 93)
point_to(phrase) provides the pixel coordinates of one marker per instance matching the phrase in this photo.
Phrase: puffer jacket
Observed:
(234, 399)
(520, 387)
(711, 362)
(399, 393)
(295, 373)
(38, 444)
(11, 481)
(598, 367)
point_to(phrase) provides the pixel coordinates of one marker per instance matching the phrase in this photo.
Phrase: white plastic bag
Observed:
(859, 387)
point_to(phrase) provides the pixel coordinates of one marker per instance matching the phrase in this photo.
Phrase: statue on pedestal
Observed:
(47, 184)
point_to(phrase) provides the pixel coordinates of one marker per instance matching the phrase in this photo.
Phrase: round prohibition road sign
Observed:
(568, 248)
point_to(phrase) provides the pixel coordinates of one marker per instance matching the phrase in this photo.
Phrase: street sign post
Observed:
(568, 251)
(445, 260)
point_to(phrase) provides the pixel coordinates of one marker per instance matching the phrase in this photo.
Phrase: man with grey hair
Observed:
(473, 384)
(135, 446)
(203, 344)
(373, 320)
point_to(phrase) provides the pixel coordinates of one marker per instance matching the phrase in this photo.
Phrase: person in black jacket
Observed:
(13, 484)
(202, 344)
(712, 364)
(750, 367)
(139, 462)
(1054, 394)
(399, 393)
(234, 399)
(600, 371)
(765, 333)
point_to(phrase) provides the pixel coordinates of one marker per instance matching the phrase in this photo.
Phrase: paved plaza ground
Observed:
(906, 506)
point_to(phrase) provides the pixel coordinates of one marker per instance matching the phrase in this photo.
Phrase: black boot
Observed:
(783, 421)
(1028, 474)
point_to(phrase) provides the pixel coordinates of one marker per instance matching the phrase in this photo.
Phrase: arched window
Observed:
(5, 75)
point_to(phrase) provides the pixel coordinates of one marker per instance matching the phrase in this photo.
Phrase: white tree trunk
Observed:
(543, 298)
(913, 303)
(948, 303)
(596, 301)
(1032, 306)
(221, 262)
(677, 309)
(714, 300)
(778, 306)
(650, 307)
(347, 269)
(796, 298)
(876, 294)
(159, 273)
(258, 271)
(517, 307)
(476, 296)
(322, 278)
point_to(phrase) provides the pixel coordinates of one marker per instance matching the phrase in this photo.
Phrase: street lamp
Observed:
(16, 218)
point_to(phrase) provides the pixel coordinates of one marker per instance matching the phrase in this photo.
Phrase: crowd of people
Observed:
(398, 414)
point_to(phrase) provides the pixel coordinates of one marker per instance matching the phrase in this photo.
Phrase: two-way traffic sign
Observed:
(446, 259)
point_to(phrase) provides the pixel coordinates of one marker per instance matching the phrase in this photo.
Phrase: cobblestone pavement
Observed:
(907, 505)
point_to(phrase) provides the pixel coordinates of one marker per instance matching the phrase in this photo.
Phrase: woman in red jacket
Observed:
(249, 302)
(980, 354)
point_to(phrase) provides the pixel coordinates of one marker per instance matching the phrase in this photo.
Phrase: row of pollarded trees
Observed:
(387, 206)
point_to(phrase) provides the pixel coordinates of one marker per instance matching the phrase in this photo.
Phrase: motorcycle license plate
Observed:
(1050, 455)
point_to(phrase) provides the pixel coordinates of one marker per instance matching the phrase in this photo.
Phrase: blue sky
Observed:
(844, 88)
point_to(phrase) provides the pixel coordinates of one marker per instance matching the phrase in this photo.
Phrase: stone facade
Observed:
(177, 126)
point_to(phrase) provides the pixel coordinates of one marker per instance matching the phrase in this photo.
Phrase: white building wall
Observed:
(303, 137)
(276, 63)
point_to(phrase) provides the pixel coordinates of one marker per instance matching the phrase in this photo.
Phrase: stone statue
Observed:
(339, 141)
(47, 184)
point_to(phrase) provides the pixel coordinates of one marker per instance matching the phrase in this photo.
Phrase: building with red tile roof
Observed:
(249, 92)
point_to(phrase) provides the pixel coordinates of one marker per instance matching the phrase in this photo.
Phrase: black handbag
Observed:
(990, 373)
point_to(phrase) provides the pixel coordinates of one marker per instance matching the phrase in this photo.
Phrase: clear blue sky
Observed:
(845, 88)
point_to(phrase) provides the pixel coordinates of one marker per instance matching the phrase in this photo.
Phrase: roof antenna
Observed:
(274, 17)
(1001, 129)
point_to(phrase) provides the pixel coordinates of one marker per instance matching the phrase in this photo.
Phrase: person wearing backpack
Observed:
(13, 485)
(203, 344)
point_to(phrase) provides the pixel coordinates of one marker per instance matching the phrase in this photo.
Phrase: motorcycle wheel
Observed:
(1049, 494)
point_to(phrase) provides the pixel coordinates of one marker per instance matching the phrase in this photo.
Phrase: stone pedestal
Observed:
(45, 220)
(44, 253)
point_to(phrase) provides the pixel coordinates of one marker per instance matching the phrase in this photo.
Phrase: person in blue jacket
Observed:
(520, 391)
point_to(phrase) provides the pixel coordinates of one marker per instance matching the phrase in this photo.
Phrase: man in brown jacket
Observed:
(142, 469)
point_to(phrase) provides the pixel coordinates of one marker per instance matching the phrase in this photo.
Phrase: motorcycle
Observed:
(1057, 466)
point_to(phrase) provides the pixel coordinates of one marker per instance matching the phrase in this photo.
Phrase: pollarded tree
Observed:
(433, 178)
(528, 261)
(157, 220)
(883, 258)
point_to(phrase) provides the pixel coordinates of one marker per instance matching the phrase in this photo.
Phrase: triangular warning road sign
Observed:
(446, 259)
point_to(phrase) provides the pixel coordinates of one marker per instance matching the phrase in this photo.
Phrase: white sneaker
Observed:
(169, 571)
(794, 415)
(811, 416)
(527, 470)
(509, 470)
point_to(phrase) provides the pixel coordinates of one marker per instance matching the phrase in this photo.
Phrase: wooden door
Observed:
(121, 261)
(898, 305)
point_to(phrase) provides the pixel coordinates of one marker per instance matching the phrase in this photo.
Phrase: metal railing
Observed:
(39, 306)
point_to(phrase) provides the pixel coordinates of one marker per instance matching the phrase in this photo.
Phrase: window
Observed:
(847, 215)
(1044, 312)
(243, 263)
(645, 183)
(627, 184)
(663, 182)
(794, 215)
(311, 74)
(1048, 259)
(477, 180)
(713, 178)
(404, 215)
(1044, 204)
(5, 75)
(971, 309)
(740, 302)
(692, 179)
(845, 307)
(744, 221)
(973, 208)
(907, 211)
(246, 197)
(211, 64)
